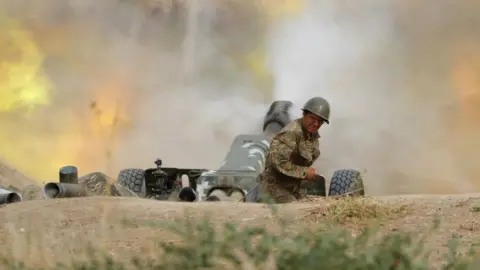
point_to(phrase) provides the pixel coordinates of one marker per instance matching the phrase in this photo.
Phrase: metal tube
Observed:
(273, 128)
(277, 117)
(7, 197)
(68, 175)
(62, 190)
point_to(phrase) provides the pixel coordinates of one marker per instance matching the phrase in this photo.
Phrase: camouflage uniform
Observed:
(292, 151)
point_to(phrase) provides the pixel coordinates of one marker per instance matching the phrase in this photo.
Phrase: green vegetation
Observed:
(206, 245)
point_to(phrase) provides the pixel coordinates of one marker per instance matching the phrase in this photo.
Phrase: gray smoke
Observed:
(183, 99)
(385, 66)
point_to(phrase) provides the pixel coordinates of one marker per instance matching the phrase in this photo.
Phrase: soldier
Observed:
(292, 151)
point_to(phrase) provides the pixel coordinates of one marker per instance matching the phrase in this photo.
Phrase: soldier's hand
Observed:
(310, 174)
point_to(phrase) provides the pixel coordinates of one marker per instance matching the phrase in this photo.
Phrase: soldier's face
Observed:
(312, 122)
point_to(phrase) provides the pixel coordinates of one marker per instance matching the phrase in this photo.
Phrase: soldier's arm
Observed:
(281, 149)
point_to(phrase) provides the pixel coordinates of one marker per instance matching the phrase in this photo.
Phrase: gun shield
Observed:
(7, 196)
(62, 190)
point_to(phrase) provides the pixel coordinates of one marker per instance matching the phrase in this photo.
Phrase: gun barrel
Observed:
(248, 152)
(272, 128)
(63, 190)
(7, 196)
(246, 159)
(277, 117)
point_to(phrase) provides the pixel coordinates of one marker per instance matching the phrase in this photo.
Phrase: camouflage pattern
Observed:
(292, 152)
(240, 168)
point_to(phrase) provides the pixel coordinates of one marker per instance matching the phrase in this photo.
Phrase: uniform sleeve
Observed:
(281, 149)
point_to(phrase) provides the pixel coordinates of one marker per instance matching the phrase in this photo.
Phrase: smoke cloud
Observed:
(132, 83)
(388, 68)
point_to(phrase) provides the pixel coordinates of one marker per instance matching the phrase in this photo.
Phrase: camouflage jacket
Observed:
(292, 151)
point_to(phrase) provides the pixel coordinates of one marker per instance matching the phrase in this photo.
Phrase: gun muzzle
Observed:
(277, 117)
(187, 194)
(7, 197)
(63, 190)
(273, 128)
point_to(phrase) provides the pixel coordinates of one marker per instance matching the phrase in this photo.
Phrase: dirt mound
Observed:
(11, 177)
(59, 229)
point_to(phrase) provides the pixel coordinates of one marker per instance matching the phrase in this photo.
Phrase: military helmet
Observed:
(318, 106)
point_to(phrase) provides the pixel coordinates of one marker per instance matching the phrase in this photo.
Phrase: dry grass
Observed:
(42, 232)
(354, 210)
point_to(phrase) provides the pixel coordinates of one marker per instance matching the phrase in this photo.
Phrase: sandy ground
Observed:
(41, 232)
(11, 177)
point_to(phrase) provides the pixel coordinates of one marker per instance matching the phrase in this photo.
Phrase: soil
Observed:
(41, 232)
(11, 177)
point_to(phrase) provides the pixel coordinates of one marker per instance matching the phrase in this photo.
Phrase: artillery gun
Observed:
(238, 177)
(160, 183)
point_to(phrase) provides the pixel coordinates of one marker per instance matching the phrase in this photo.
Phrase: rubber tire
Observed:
(346, 182)
(133, 179)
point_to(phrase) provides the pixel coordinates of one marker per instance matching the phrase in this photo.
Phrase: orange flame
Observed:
(465, 77)
(39, 146)
(466, 81)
